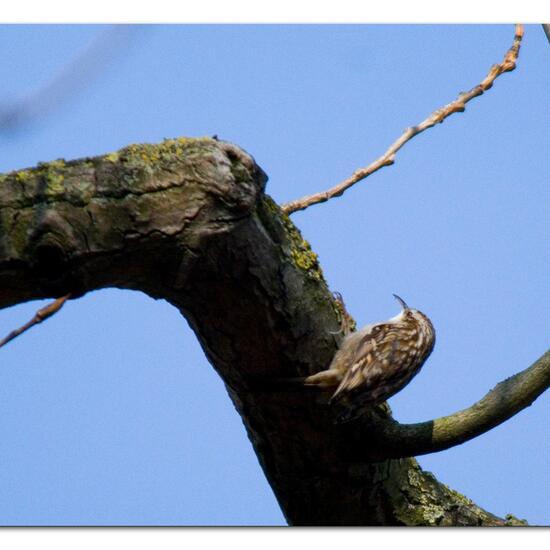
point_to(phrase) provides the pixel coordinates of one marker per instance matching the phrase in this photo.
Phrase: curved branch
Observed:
(438, 116)
(395, 440)
(187, 220)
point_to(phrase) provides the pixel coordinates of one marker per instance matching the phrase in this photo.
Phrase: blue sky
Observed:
(109, 412)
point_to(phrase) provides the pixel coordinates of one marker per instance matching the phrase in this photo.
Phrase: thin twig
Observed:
(39, 316)
(388, 158)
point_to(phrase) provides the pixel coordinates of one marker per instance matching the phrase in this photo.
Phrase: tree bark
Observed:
(188, 221)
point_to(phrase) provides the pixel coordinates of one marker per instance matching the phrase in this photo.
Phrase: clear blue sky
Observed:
(109, 412)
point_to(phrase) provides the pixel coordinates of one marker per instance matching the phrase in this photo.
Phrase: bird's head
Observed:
(409, 315)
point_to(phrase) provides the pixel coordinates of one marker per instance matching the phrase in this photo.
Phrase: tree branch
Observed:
(438, 116)
(395, 440)
(41, 315)
(188, 221)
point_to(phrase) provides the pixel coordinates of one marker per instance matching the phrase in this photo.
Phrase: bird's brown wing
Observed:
(375, 374)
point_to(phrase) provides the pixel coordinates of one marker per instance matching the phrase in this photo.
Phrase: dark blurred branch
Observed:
(546, 27)
(73, 79)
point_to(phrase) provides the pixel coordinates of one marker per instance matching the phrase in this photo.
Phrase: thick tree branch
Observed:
(395, 440)
(187, 221)
(438, 116)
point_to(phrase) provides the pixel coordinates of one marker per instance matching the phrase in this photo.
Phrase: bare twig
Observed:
(39, 316)
(395, 440)
(388, 158)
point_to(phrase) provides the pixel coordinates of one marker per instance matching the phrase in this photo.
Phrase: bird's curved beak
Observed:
(401, 301)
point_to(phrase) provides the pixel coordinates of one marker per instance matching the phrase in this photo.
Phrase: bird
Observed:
(376, 362)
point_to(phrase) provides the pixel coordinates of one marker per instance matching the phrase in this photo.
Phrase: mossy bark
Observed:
(188, 221)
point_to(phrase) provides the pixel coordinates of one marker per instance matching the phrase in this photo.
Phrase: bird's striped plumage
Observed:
(376, 362)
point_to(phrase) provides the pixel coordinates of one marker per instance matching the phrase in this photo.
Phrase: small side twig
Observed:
(347, 323)
(438, 116)
(39, 316)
